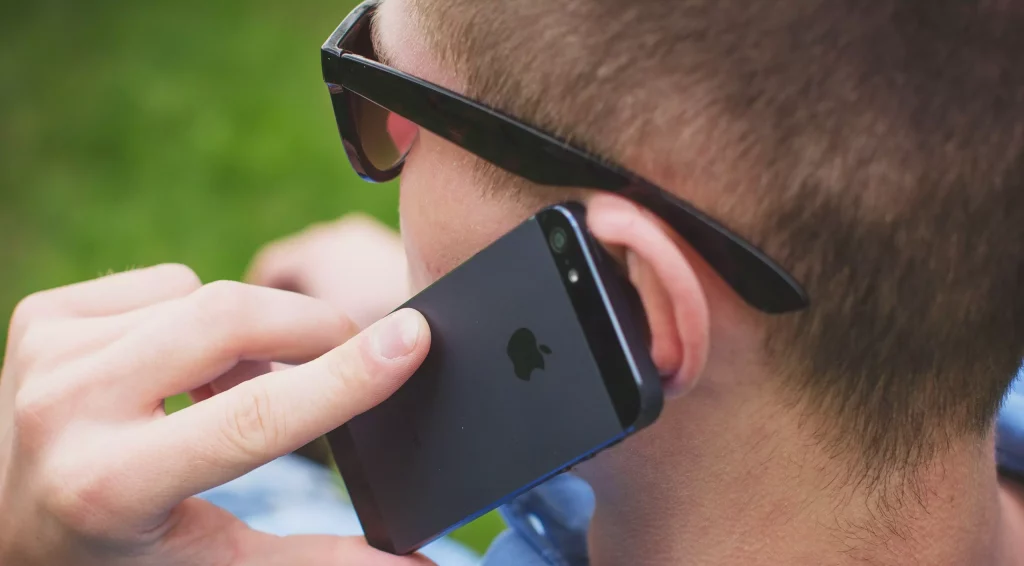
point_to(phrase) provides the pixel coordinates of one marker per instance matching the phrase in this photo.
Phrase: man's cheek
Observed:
(423, 272)
(427, 246)
(414, 255)
(417, 274)
(436, 228)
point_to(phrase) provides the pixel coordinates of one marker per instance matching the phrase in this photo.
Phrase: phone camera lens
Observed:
(558, 240)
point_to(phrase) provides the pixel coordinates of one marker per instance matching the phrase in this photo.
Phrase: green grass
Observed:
(137, 133)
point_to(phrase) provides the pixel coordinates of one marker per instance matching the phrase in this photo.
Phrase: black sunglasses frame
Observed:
(530, 153)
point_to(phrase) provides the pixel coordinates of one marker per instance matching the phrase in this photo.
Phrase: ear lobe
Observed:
(672, 295)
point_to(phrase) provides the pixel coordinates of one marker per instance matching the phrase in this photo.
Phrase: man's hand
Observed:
(357, 264)
(93, 472)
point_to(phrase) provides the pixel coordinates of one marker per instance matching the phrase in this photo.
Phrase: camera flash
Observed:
(574, 276)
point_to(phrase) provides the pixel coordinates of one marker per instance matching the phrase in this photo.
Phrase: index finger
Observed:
(108, 296)
(272, 415)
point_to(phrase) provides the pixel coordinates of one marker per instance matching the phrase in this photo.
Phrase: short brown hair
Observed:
(875, 148)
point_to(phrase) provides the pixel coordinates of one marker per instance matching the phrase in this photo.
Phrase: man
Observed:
(874, 149)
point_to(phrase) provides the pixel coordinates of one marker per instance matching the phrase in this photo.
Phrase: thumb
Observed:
(233, 433)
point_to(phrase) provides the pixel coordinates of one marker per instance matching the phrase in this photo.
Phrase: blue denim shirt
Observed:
(547, 526)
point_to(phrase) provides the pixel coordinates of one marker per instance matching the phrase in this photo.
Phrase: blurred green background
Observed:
(138, 133)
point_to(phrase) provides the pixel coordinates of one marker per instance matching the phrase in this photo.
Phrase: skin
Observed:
(729, 475)
(93, 472)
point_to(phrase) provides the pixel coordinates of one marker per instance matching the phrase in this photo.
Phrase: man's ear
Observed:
(672, 295)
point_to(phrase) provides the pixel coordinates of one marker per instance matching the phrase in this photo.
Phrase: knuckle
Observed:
(220, 293)
(263, 262)
(179, 277)
(27, 312)
(271, 269)
(221, 300)
(34, 406)
(222, 309)
(36, 342)
(82, 498)
(251, 427)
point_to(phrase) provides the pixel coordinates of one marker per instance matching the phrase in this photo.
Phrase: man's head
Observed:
(876, 149)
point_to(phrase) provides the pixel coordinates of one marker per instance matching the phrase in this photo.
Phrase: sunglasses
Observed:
(380, 109)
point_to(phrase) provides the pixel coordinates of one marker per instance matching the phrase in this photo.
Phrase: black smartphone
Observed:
(539, 360)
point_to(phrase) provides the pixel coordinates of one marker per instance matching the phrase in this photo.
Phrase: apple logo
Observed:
(525, 354)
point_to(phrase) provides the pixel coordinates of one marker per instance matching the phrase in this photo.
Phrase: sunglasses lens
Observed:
(386, 136)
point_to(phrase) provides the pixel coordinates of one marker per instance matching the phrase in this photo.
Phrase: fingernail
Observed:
(397, 335)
